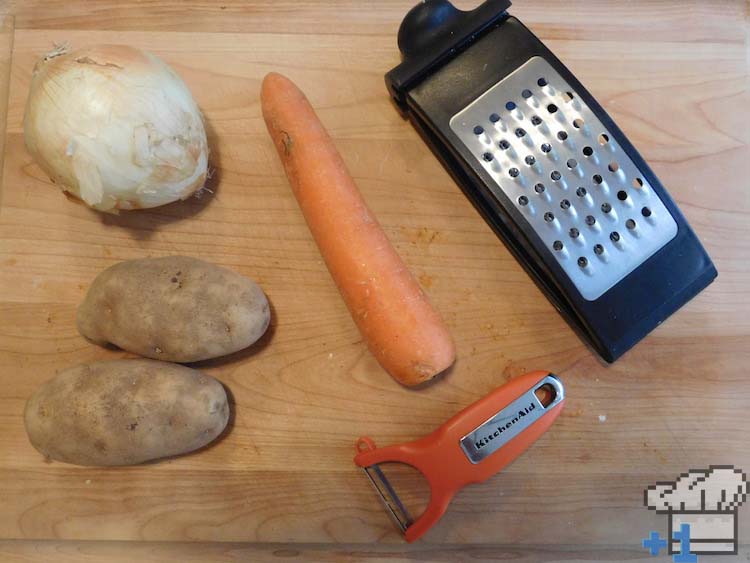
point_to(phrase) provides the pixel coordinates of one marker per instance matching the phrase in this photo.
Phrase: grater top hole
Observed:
(613, 166)
(520, 132)
(523, 200)
(510, 106)
(478, 130)
(546, 147)
(487, 156)
(583, 262)
(542, 81)
(536, 120)
(606, 207)
(549, 217)
(578, 123)
(557, 245)
(572, 163)
(614, 236)
(526, 94)
(530, 160)
(603, 139)
(562, 135)
(630, 224)
(514, 172)
(505, 145)
(581, 192)
(637, 183)
(565, 204)
(539, 188)
(646, 212)
(588, 151)
(598, 249)
(590, 220)
(622, 195)
(494, 118)
(555, 175)
(597, 179)
(573, 232)
(552, 108)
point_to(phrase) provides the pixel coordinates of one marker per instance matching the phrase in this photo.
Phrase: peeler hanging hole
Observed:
(546, 394)
(365, 445)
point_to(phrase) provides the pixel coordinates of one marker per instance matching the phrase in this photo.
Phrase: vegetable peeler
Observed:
(549, 171)
(469, 448)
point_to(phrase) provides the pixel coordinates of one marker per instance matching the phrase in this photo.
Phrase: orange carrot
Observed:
(403, 331)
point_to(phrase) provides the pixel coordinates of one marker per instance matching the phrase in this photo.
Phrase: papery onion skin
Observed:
(116, 127)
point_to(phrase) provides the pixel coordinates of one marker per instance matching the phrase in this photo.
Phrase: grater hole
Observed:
(546, 147)
(606, 207)
(578, 123)
(542, 81)
(562, 135)
(557, 245)
(510, 106)
(574, 233)
(614, 236)
(603, 139)
(588, 151)
(565, 204)
(646, 212)
(526, 94)
(581, 192)
(555, 175)
(549, 217)
(520, 132)
(494, 118)
(568, 97)
(622, 195)
(487, 157)
(598, 249)
(514, 172)
(530, 160)
(590, 220)
(637, 183)
(583, 262)
(630, 224)
(505, 145)
(572, 163)
(552, 108)
(523, 200)
(536, 120)
(613, 166)
(478, 130)
(597, 179)
(539, 188)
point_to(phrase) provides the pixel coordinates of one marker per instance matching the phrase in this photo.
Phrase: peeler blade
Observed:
(388, 496)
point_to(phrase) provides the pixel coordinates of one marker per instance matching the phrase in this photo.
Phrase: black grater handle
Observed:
(434, 31)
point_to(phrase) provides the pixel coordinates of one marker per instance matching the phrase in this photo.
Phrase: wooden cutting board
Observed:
(675, 79)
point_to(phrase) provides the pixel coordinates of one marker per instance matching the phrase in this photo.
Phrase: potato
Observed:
(175, 309)
(125, 412)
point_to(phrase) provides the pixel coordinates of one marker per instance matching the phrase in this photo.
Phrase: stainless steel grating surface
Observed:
(584, 197)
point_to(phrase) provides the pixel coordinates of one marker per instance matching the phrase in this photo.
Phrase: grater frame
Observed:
(451, 58)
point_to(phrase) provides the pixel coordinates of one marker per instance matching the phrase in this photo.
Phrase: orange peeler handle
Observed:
(474, 444)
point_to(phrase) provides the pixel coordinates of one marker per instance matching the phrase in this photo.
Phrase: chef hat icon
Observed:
(716, 489)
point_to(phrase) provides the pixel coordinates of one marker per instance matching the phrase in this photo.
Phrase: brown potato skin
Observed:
(175, 308)
(125, 412)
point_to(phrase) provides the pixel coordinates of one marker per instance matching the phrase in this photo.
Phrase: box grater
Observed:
(549, 171)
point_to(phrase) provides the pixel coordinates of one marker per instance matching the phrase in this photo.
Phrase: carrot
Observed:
(402, 330)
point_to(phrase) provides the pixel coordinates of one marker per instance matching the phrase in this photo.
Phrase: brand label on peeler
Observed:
(508, 423)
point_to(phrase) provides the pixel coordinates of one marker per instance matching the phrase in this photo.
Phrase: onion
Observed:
(116, 127)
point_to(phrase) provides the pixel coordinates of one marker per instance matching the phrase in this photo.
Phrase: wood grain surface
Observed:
(674, 75)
